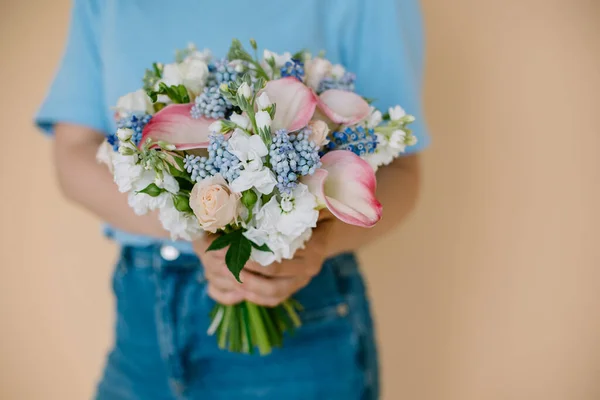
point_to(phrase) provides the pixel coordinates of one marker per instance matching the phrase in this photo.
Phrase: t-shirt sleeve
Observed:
(386, 52)
(76, 93)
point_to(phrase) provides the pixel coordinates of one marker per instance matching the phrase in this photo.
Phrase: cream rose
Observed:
(316, 69)
(319, 132)
(214, 204)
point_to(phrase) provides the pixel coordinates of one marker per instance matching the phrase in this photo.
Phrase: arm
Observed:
(86, 182)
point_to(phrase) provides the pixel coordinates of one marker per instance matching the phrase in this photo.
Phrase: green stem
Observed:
(225, 328)
(260, 333)
(289, 307)
(248, 344)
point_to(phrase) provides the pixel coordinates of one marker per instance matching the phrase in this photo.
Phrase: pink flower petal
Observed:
(295, 103)
(175, 125)
(346, 184)
(343, 107)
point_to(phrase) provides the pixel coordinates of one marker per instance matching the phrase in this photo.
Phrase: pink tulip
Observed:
(175, 125)
(346, 185)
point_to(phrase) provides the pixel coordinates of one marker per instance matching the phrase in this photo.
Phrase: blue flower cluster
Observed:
(346, 82)
(293, 68)
(292, 156)
(222, 72)
(137, 122)
(219, 161)
(358, 140)
(211, 104)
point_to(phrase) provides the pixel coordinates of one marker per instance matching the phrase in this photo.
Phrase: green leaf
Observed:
(264, 247)
(184, 183)
(238, 255)
(182, 203)
(152, 190)
(299, 55)
(180, 163)
(222, 241)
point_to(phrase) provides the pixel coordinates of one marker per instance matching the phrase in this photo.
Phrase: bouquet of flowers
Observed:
(250, 150)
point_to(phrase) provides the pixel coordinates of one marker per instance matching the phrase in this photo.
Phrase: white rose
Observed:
(135, 102)
(241, 120)
(396, 113)
(316, 69)
(263, 120)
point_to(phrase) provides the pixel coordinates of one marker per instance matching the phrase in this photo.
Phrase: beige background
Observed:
(494, 292)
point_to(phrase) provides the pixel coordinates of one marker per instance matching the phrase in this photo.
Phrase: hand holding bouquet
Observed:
(250, 150)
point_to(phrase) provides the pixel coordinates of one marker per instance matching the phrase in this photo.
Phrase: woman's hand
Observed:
(270, 285)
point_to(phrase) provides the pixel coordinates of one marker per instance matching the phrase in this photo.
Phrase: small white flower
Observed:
(124, 133)
(263, 101)
(262, 179)
(245, 91)
(241, 120)
(279, 59)
(247, 147)
(396, 113)
(374, 119)
(216, 127)
(397, 140)
(134, 103)
(263, 120)
(338, 71)
(195, 54)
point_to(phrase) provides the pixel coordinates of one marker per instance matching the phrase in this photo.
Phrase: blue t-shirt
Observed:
(111, 43)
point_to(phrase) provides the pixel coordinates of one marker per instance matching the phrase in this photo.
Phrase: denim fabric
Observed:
(162, 351)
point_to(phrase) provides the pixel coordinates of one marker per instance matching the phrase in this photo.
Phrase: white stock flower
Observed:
(374, 119)
(241, 120)
(105, 154)
(396, 113)
(196, 55)
(283, 226)
(250, 149)
(278, 59)
(263, 101)
(245, 91)
(126, 171)
(263, 120)
(135, 102)
(316, 69)
(142, 202)
(179, 224)
(388, 148)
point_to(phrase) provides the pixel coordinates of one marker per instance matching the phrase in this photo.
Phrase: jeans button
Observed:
(342, 310)
(169, 253)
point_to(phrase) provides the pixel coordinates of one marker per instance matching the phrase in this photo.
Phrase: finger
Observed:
(222, 282)
(225, 298)
(269, 287)
(273, 270)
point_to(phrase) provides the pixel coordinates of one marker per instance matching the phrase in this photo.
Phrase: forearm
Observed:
(90, 184)
(397, 190)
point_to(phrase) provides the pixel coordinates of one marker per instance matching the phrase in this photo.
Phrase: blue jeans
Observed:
(162, 350)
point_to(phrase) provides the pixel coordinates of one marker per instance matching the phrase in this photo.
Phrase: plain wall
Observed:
(489, 291)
